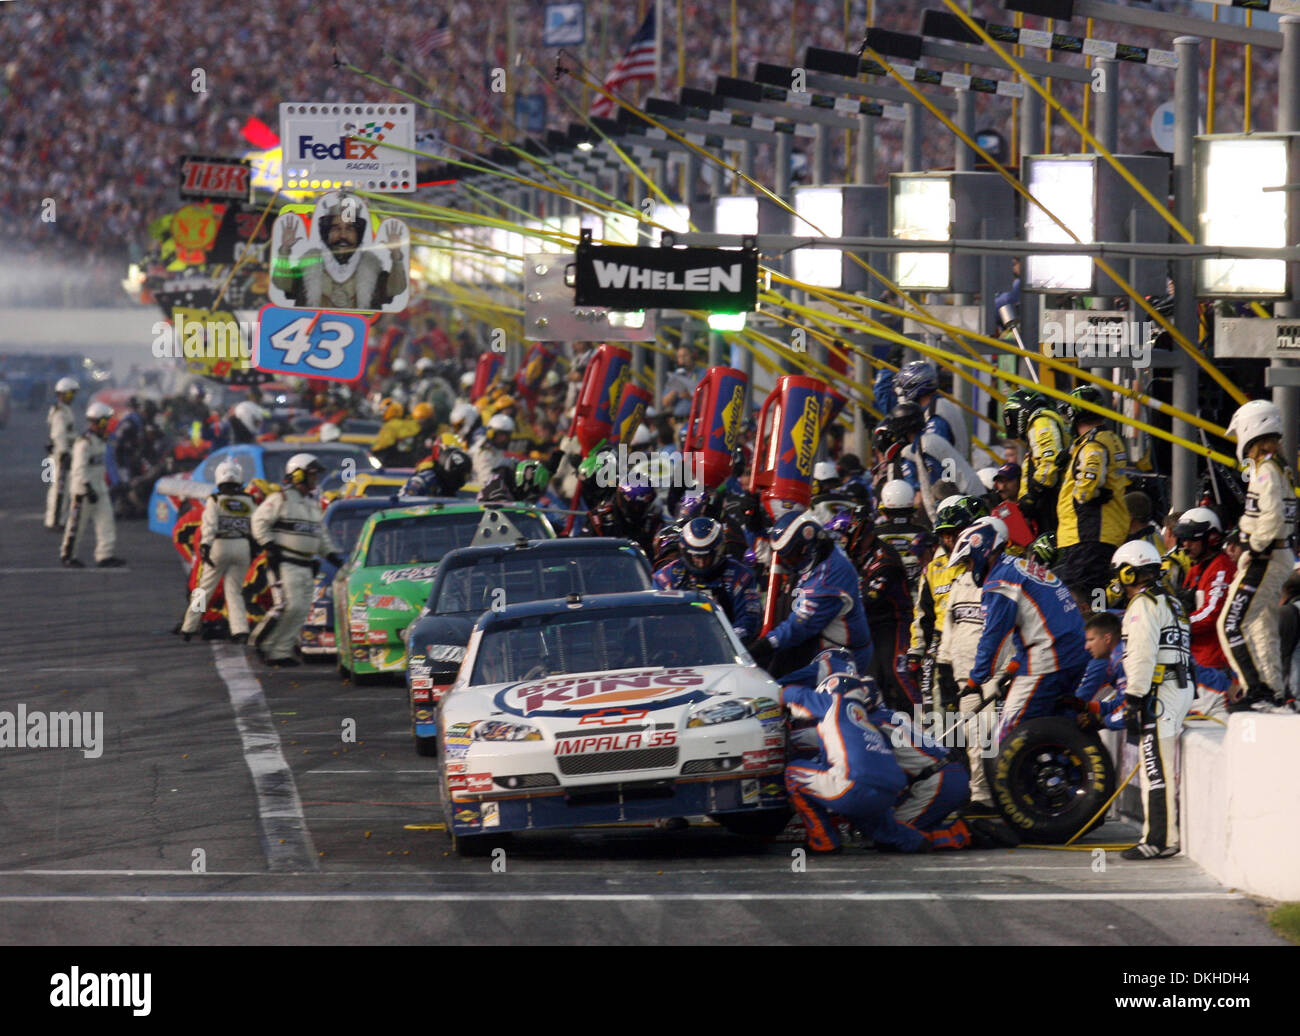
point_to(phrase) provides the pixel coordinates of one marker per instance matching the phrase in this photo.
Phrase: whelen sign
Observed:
(215, 179)
(629, 277)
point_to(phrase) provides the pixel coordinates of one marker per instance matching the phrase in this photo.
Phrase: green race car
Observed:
(384, 583)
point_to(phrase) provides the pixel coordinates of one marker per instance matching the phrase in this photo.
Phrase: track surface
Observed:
(307, 839)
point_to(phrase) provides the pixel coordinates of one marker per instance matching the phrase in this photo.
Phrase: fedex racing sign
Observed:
(367, 146)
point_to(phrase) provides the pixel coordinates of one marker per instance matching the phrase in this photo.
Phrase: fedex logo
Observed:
(345, 148)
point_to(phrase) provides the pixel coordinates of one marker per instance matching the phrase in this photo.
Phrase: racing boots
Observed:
(1142, 851)
(110, 563)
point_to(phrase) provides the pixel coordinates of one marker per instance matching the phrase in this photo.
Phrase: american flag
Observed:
(434, 39)
(637, 62)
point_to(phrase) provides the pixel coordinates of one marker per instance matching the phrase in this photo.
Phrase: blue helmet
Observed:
(978, 544)
(703, 546)
(850, 685)
(794, 539)
(634, 498)
(916, 379)
(692, 505)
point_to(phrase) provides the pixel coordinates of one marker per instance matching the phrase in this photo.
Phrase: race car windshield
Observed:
(345, 527)
(555, 645)
(472, 589)
(423, 538)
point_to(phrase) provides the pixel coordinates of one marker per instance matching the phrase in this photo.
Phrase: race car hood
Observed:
(392, 588)
(665, 693)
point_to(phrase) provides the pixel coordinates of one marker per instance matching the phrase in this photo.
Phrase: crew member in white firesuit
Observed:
(225, 532)
(288, 526)
(1159, 687)
(489, 453)
(1248, 626)
(88, 484)
(63, 432)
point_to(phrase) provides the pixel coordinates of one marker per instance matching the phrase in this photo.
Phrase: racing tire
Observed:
(764, 824)
(1049, 778)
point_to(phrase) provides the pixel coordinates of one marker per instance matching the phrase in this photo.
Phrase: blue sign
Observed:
(311, 344)
(565, 25)
(530, 112)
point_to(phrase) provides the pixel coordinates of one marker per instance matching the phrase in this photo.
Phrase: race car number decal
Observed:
(567, 694)
(616, 742)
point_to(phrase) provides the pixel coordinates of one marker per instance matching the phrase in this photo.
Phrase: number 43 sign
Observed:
(312, 344)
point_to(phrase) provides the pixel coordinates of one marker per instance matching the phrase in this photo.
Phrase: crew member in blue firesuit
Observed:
(826, 604)
(1022, 598)
(854, 773)
(703, 564)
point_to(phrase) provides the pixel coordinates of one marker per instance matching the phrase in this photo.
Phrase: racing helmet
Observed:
(703, 546)
(907, 421)
(977, 545)
(390, 409)
(1018, 408)
(1044, 549)
(1254, 420)
(824, 476)
(694, 504)
(1199, 523)
(329, 432)
(98, 414)
(840, 524)
(986, 477)
(455, 465)
(897, 495)
(422, 412)
(227, 472)
(423, 365)
(916, 380)
(832, 661)
(633, 499)
(666, 545)
(461, 414)
(1174, 566)
(1136, 561)
(531, 478)
(501, 423)
(1075, 413)
(300, 466)
(66, 387)
(795, 538)
(862, 689)
(957, 513)
(400, 366)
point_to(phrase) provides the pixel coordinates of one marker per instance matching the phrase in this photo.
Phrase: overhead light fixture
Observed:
(1235, 207)
(846, 210)
(672, 216)
(944, 206)
(1097, 204)
(726, 321)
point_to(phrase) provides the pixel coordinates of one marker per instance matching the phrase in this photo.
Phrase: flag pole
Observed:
(659, 44)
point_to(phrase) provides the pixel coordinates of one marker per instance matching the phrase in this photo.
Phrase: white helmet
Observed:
(329, 432)
(897, 495)
(66, 385)
(298, 466)
(467, 380)
(986, 476)
(98, 411)
(400, 366)
(642, 435)
(946, 502)
(1253, 421)
(1134, 559)
(423, 364)
(461, 413)
(228, 471)
(824, 471)
(501, 423)
(250, 415)
(1196, 523)
(977, 544)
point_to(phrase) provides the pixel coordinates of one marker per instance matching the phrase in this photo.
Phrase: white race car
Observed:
(610, 708)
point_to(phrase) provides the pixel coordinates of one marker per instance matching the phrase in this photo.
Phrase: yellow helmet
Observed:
(391, 409)
(422, 412)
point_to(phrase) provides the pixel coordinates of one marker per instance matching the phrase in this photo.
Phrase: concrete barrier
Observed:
(1239, 800)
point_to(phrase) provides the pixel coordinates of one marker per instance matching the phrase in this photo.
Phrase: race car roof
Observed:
(634, 600)
(465, 556)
